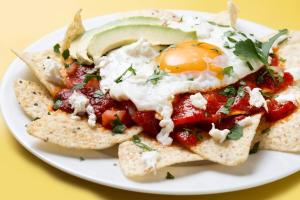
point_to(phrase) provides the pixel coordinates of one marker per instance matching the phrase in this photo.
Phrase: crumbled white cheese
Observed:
(91, 116)
(218, 135)
(52, 70)
(295, 71)
(247, 121)
(282, 98)
(78, 102)
(198, 101)
(150, 159)
(256, 98)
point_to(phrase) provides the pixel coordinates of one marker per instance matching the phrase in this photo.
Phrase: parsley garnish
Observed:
(65, 54)
(88, 77)
(254, 148)
(228, 91)
(170, 176)
(117, 126)
(156, 76)
(129, 69)
(226, 108)
(98, 94)
(57, 104)
(216, 24)
(231, 39)
(228, 71)
(49, 113)
(137, 141)
(235, 133)
(56, 48)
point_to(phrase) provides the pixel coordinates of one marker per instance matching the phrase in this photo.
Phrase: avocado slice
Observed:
(78, 48)
(122, 35)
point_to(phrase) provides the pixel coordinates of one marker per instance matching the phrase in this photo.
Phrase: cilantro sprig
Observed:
(251, 51)
(137, 141)
(226, 108)
(117, 126)
(88, 77)
(235, 133)
(156, 76)
(129, 69)
(228, 71)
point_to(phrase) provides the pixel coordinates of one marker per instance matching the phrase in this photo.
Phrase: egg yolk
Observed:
(190, 56)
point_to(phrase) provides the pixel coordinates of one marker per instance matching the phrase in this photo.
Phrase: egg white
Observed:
(158, 97)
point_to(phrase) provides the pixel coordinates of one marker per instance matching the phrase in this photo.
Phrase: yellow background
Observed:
(22, 176)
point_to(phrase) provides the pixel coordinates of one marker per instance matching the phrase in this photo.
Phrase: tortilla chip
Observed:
(289, 51)
(34, 99)
(59, 128)
(284, 135)
(74, 30)
(230, 152)
(228, 17)
(35, 63)
(132, 165)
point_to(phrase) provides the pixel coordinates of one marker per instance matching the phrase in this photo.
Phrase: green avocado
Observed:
(122, 35)
(78, 48)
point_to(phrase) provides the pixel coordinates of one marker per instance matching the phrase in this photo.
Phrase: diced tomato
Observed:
(279, 111)
(241, 104)
(185, 113)
(275, 60)
(64, 95)
(229, 122)
(102, 104)
(185, 138)
(93, 83)
(71, 70)
(110, 115)
(146, 119)
(278, 85)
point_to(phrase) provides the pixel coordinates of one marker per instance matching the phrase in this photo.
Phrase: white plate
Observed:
(100, 166)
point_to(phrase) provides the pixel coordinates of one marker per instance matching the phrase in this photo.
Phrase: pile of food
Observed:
(168, 89)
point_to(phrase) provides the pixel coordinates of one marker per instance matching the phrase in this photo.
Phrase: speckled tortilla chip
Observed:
(74, 30)
(33, 98)
(284, 135)
(290, 51)
(230, 152)
(35, 63)
(59, 128)
(132, 165)
(228, 17)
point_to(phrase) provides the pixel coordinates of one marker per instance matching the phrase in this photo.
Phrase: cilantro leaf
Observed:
(129, 69)
(266, 46)
(228, 91)
(78, 86)
(88, 77)
(56, 48)
(170, 176)
(241, 91)
(117, 126)
(226, 108)
(137, 141)
(228, 71)
(246, 50)
(57, 104)
(98, 94)
(156, 76)
(254, 148)
(65, 54)
(235, 133)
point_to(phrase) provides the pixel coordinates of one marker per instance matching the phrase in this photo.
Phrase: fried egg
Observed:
(155, 76)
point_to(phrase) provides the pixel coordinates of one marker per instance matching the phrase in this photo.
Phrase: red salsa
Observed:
(224, 106)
